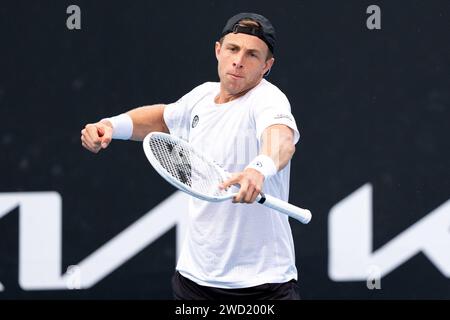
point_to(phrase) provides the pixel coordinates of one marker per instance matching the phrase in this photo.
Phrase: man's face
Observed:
(241, 62)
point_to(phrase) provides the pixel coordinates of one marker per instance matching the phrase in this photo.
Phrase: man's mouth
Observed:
(235, 76)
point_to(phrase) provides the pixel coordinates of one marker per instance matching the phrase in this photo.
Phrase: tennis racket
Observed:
(193, 172)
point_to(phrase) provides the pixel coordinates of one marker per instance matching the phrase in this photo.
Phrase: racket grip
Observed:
(302, 215)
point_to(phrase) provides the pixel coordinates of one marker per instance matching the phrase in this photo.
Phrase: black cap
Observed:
(266, 32)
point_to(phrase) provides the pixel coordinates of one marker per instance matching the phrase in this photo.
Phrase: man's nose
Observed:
(238, 61)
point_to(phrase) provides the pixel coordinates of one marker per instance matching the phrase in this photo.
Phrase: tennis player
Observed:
(237, 249)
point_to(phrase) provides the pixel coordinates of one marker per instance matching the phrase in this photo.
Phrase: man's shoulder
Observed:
(269, 92)
(199, 92)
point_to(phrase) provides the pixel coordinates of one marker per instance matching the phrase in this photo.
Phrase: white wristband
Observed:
(263, 164)
(122, 126)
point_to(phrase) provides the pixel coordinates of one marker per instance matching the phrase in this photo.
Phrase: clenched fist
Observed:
(97, 136)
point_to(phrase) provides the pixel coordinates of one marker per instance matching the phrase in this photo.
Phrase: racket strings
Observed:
(185, 165)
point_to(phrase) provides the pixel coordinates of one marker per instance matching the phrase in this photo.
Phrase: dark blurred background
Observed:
(373, 107)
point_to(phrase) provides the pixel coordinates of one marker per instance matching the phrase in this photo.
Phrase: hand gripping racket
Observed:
(193, 172)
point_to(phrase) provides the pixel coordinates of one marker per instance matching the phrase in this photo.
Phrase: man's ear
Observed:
(269, 64)
(217, 49)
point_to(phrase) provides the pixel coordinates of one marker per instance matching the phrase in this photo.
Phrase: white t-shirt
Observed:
(231, 245)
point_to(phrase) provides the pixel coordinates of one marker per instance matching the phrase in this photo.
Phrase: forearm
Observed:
(147, 119)
(277, 149)
(278, 144)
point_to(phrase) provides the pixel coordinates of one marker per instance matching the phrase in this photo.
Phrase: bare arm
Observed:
(278, 144)
(97, 136)
(147, 119)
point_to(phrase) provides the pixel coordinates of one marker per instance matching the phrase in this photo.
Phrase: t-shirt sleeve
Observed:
(274, 109)
(177, 115)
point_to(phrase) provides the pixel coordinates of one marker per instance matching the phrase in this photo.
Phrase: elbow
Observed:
(286, 155)
(291, 150)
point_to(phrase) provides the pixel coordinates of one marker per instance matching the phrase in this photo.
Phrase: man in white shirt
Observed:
(237, 249)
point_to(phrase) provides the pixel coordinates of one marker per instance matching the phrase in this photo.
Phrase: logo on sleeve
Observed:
(195, 121)
(281, 115)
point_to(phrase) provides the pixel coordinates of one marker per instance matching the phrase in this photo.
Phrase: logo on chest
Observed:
(195, 121)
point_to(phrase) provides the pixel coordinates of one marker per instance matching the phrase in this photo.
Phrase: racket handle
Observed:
(302, 215)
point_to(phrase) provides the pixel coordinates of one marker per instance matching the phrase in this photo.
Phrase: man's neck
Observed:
(224, 96)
